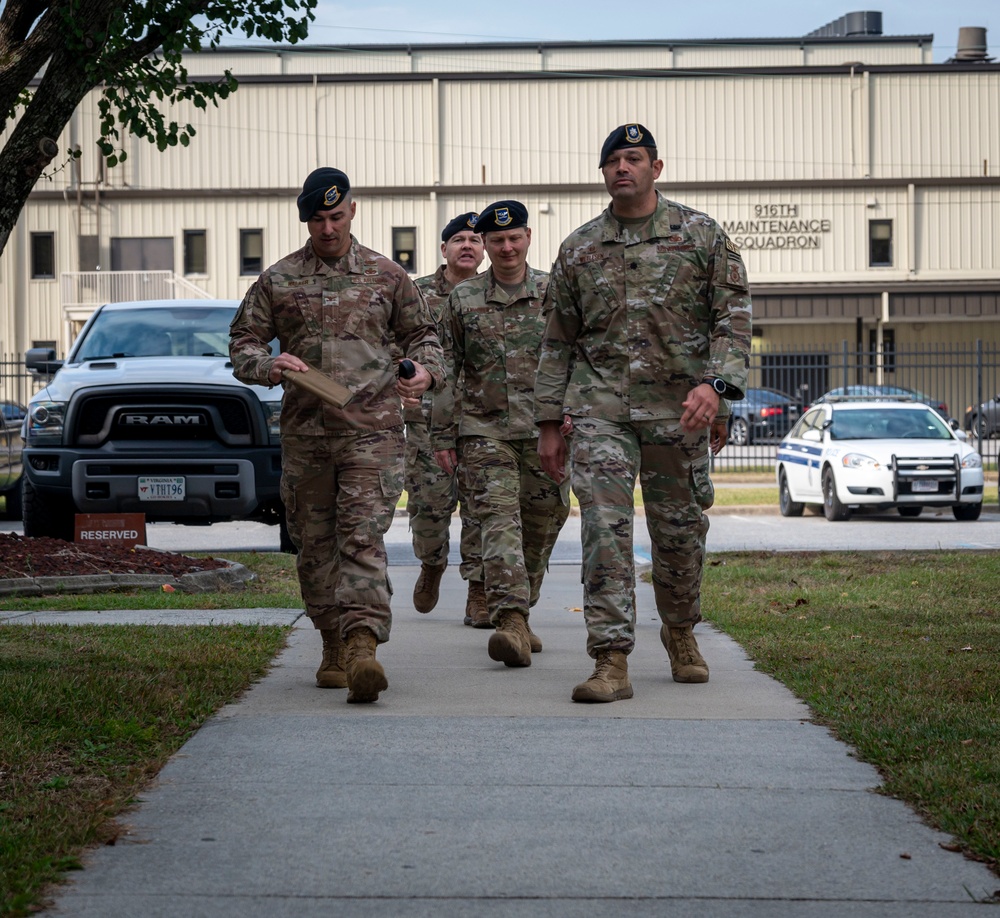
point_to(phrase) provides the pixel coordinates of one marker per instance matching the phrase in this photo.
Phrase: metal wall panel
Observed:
(936, 123)
(959, 232)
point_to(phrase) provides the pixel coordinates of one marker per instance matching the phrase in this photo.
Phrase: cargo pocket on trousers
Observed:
(580, 472)
(701, 484)
(391, 480)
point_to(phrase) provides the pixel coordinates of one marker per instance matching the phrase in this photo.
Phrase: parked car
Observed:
(983, 421)
(854, 452)
(870, 391)
(11, 447)
(762, 414)
(13, 412)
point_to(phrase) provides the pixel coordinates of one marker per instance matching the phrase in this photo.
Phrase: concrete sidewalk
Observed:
(473, 789)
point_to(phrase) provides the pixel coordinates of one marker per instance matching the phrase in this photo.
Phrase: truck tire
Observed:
(46, 516)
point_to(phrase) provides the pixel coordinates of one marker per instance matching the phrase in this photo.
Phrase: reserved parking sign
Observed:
(127, 529)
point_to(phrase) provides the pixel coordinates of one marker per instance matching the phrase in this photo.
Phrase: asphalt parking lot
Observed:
(731, 530)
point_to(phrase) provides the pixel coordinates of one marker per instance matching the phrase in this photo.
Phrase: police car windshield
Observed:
(888, 424)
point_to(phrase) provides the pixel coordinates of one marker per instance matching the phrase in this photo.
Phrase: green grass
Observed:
(88, 714)
(897, 653)
(275, 585)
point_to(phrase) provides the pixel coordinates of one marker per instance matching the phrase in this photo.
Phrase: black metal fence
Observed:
(957, 377)
(961, 376)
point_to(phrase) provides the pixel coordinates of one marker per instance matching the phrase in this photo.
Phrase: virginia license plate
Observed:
(161, 488)
(924, 486)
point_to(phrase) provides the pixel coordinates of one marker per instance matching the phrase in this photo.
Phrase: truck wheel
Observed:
(46, 516)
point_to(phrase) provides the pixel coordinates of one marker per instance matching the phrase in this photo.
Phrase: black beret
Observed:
(503, 215)
(460, 224)
(323, 189)
(628, 135)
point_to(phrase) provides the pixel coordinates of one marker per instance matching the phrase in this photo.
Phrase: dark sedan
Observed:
(763, 414)
(873, 391)
(983, 421)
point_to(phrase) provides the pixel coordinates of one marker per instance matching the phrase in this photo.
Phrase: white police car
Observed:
(848, 453)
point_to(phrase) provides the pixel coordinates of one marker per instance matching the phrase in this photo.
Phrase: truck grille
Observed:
(118, 416)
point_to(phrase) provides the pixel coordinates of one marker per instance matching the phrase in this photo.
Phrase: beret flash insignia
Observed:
(502, 216)
(632, 133)
(331, 196)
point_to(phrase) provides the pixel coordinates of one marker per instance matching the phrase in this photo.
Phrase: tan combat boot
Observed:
(609, 681)
(686, 662)
(509, 643)
(428, 585)
(365, 676)
(332, 672)
(476, 613)
(534, 641)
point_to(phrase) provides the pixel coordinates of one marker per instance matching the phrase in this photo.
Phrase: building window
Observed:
(880, 243)
(195, 252)
(43, 255)
(404, 247)
(251, 251)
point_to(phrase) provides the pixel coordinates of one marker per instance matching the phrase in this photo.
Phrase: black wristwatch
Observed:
(718, 384)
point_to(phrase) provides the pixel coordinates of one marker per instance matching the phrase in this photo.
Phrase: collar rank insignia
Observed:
(331, 196)
(632, 133)
(503, 217)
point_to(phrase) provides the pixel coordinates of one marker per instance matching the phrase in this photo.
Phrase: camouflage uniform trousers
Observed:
(520, 510)
(431, 498)
(340, 493)
(673, 471)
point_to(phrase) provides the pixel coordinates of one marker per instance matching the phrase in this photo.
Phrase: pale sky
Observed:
(426, 21)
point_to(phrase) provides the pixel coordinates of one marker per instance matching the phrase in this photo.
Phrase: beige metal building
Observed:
(861, 181)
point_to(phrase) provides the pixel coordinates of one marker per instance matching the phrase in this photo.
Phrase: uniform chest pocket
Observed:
(484, 325)
(299, 308)
(358, 311)
(599, 295)
(682, 287)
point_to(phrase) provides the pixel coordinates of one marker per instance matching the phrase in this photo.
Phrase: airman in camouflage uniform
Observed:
(648, 324)
(339, 306)
(491, 344)
(431, 493)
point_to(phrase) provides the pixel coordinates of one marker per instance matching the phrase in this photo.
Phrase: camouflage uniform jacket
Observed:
(435, 289)
(491, 345)
(636, 317)
(342, 320)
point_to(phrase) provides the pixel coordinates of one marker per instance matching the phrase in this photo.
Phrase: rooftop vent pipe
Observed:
(971, 44)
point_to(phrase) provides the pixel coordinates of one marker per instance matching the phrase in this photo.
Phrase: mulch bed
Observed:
(21, 556)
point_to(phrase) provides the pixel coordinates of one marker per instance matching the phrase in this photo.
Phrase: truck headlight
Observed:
(44, 423)
(972, 461)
